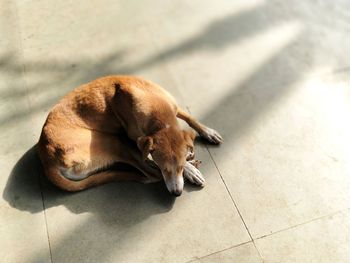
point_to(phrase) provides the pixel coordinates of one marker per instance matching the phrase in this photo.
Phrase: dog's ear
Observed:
(145, 144)
(189, 136)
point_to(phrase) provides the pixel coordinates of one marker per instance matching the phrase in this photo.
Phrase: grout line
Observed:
(232, 199)
(234, 203)
(229, 192)
(304, 223)
(167, 68)
(335, 71)
(44, 209)
(304, 77)
(23, 76)
(21, 59)
(219, 251)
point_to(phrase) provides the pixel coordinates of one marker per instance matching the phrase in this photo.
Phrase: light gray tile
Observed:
(129, 222)
(244, 253)
(244, 67)
(198, 223)
(252, 75)
(15, 128)
(50, 75)
(22, 221)
(224, 49)
(324, 240)
(288, 164)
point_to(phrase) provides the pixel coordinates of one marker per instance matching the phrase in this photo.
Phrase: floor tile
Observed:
(50, 75)
(15, 129)
(324, 240)
(250, 69)
(250, 43)
(285, 154)
(22, 220)
(114, 217)
(121, 214)
(287, 163)
(244, 254)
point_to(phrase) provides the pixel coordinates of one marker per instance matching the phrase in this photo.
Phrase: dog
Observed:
(117, 120)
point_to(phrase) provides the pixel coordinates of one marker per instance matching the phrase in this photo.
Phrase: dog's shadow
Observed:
(124, 202)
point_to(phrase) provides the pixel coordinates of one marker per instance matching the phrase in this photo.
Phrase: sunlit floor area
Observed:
(272, 76)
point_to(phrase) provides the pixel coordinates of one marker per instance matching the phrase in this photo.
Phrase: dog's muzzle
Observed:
(175, 185)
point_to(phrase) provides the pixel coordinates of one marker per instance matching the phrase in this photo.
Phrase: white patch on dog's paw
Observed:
(193, 175)
(211, 135)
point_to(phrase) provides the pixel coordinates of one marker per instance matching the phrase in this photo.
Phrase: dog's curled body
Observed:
(116, 119)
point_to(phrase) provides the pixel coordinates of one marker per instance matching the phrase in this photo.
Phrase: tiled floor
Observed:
(272, 76)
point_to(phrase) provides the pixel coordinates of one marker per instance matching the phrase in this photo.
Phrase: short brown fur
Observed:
(115, 119)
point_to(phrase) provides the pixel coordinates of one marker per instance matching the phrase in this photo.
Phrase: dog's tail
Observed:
(99, 178)
(65, 181)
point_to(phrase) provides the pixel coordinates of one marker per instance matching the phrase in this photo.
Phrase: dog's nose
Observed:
(176, 193)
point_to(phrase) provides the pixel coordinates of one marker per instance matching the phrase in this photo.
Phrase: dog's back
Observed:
(95, 112)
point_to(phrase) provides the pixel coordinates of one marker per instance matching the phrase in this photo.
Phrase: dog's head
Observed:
(169, 148)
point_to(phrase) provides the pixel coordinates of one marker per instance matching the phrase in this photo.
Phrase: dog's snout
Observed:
(176, 193)
(175, 184)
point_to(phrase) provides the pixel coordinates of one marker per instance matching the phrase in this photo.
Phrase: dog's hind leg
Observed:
(91, 159)
(93, 180)
(207, 133)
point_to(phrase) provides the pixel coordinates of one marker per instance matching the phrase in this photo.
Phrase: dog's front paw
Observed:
(211, 135)
(195, 163)
(193, 175)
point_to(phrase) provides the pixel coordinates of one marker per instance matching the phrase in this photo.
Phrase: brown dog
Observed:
(119, 119)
